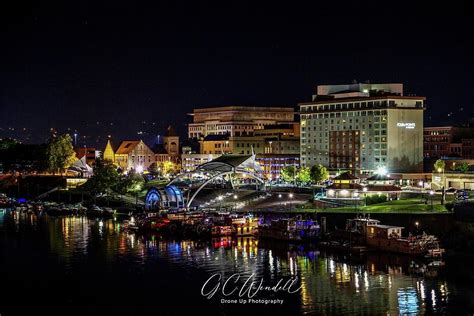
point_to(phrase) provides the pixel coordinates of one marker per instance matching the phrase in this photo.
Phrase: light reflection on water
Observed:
(330, 284)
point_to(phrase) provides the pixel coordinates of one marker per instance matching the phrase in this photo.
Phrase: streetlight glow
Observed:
(381, 171)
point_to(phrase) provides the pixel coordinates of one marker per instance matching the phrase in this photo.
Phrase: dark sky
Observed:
(108, 68)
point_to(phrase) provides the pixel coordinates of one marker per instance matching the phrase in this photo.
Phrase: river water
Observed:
(76, 265)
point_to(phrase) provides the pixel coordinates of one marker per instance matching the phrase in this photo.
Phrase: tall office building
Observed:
(362, 127)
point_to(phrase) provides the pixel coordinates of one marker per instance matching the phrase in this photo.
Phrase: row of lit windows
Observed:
(354, 105)
(344, 114)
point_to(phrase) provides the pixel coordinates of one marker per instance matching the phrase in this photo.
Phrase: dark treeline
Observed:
(15, 156)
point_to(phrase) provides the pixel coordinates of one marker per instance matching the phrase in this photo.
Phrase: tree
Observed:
(439, 165)
(463, 167)
(304, 175)
(105, 178)
(131, 183)
(319, 173)
(167, 168)
(60, 153)
(288, 173)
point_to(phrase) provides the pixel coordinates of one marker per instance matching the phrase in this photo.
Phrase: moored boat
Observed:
(290, 229)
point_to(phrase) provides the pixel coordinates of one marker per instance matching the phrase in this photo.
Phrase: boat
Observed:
(221, 230)
(96, 211)
(243, 226)
(389, 238)
(290, 229)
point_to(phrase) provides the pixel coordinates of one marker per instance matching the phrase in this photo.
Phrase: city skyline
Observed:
(118, 69)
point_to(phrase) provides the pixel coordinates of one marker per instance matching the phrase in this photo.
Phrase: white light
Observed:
(331, 192)
(431, 192)
(279, 195)
(139, 169)
(381, 171)
(364, 189)
(420, 183)
(291, 195)
(235, 197)
(344, 192)
(406, 125)
(220, 197)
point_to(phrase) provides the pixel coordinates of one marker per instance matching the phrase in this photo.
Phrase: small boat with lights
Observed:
(360, 231)
(290, 229)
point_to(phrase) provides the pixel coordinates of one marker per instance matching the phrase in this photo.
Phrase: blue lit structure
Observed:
(168, 197)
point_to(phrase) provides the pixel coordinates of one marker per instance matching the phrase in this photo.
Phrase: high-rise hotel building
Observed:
(362, 127)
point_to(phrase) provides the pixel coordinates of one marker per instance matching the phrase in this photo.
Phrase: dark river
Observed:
(75, 265)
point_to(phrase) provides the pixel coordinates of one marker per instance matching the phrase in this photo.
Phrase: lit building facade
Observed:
(135, 155)
(190, 162)
(236, 120)
(361, 127)
(272, 164)
(446, 141)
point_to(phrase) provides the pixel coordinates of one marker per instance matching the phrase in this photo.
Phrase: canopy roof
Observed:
(226, 163)
(81, 166)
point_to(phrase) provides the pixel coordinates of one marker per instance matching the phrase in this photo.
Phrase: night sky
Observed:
(125, 69)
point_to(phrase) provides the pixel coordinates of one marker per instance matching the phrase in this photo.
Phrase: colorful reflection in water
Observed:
(77, 248)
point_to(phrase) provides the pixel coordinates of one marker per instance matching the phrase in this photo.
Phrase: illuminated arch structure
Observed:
(168, 197)
(226, 169)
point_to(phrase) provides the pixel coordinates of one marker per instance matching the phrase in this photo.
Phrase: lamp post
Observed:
(443, 195)
(431, 196)
(279, 198)
(235, 202)
(421, 185)
(75, 140)
(291, 199)
(365, 195)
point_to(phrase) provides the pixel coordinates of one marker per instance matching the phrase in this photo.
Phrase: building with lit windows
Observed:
(448, 141)
(237, 120)
(135, 154)
(361, 127)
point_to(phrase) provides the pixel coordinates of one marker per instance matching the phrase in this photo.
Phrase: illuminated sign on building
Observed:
(406, 125)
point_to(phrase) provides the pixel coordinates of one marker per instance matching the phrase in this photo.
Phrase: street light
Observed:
(443, 197)
(235, 204)
(75, 140)
(431, 195)
(291, 199)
